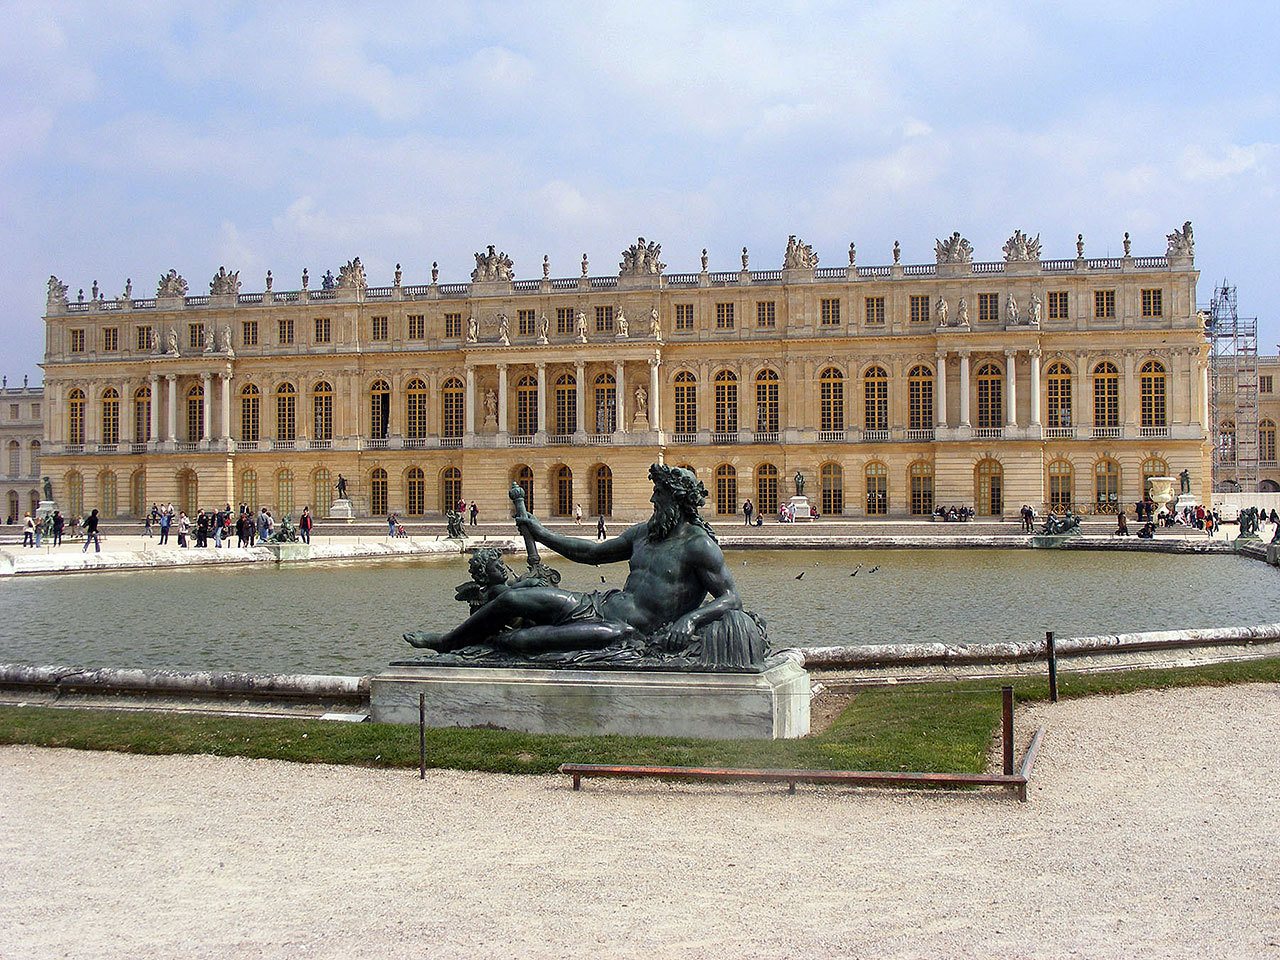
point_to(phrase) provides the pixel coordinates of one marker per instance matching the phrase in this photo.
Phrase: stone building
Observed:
(21, 433)
(889, 389)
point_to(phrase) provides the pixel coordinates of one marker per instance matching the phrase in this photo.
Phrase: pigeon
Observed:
(855, 570)
(800, 575)
(602, 580)
(874, 569)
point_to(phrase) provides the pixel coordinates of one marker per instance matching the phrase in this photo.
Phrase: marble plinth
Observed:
(731, 706)
(47, 508)
(342, 510)
(800, 508)
(284, 552)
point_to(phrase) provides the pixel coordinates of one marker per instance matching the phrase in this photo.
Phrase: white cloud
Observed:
(1199, 164)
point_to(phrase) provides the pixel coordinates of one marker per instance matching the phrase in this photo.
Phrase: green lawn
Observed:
(942, 727)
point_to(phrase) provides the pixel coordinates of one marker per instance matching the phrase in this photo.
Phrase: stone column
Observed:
(964, 388)
(1082, 393)
(225, 432)
(1011, 388)
(126, 414)
(940, 390)
(1130, 413)
(1204, 396)
(620, 395)
(580, 394)
(206, 384)
(92, 413)
(655, 411)
(172, 436)
(1035, 388)
(155, 408)
(469, 414)
(502, 399)
(542, 398)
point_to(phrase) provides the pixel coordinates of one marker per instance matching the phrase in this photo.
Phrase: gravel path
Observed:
(1152, 832)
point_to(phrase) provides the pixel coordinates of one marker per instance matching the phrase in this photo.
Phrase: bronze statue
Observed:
(453, 524)
(1067, 526)
(661, 617)
(1184, 481)
(799, 484)
(48, 490)
(342, 487)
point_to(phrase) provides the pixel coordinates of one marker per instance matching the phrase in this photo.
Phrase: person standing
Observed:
(146, 526)
(166, 522)
(304, 525)
(748, 508)
(184, 529)
(91, 532)
(1122, 525)
(391, 524)
(601, 533)
(59, 522)
(475, 512)
(577, 514)
(29, 532)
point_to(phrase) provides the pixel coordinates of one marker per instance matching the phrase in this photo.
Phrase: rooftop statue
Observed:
(224, 284)
(679, 608)
(1021, 247)
(799, 255)
(1182, 242)
(171, 285)
(954, 249)
(57, 298)
(327, 282)
(491, 265)
(351, 276)
(640, 259)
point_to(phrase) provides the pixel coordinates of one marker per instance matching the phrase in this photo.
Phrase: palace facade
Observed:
(21, 435)
(890, 389)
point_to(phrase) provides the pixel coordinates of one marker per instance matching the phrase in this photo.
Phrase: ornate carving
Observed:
(210, 334)
(954, 249)
(504, 330)
(642, 403)
(1011, 309)
(853, 254)
(351, 276)
(584, 265)
(623, 325)
(473, 330)
(171, 285)
(171, 348)
(1182, 243)
(327, 282)
(1021, 247)
(546, 266)
(897, 252)
(1079, 246)
(224, 284)
(544, 327)
(492, 265)
(581, 326)
(746, 258)
(224, 339)
(704, 260)
(941, 309)
(962, 313)
(799, 255)
(638, 260)
(655, 324)
(399, 275)
(1033, 312)
(57, 298)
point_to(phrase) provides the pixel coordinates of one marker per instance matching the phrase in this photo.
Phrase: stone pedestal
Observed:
(47, 508)
(286, 552)
(728, 706)
(342, 510)
(800, 508)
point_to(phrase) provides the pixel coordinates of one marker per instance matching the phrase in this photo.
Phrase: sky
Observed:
(135, 137)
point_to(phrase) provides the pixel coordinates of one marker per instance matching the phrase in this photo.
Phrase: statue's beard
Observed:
(665, 519)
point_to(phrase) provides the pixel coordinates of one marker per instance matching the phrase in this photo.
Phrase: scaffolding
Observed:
(1233, 393)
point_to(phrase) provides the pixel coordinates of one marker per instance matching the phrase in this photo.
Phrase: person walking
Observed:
(391, 524)
(304, 525)
(146, 526)
(29, 532)
(748, 508)
(91, 532)
(475, 512)
(601, 533)
(59, 522)
(1122, 525)
(577, 514)
(184, 529)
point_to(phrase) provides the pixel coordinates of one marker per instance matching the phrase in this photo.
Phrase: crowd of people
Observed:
(215, 527)
(953, 514)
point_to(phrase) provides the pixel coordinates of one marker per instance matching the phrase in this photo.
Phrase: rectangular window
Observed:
(324, 330)
(77, 341)
(1264, 383)
(684, 316)
(35, 411)
(873, 310)
(920, 308)
(146, 338)
(110, 339)
(525, 323)
(1153, 303)
(249, 333)
(988, 306)
(13, 415)
(452, 325)
(604, 319)
(381, 329)
(1104, 304)
(564, 321)
(766, 314)
(285, 330)
(724, 316)
(195, 336)
(830, 312)
(418, 326)
(1058, 305)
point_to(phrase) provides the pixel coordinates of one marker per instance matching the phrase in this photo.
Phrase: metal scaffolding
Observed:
(1233, 393)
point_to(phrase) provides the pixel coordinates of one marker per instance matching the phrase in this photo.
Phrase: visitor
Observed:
(759, 519)
(146, 526)
(1028, 519)
(601, 533)
(1122, 525)
(59, 521)
(166, 522)
(184, 529)
(391, 524)
(577, 514)
(264, 525)
(218, 520)
(748, 508)
(29, 532)
(39, 530)
(202, 529)
(304, 525)
(475, 512)
(91, 532)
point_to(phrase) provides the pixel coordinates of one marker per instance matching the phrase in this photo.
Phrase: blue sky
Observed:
(138, 136)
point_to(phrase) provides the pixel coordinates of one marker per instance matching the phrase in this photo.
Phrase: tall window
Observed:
(321, 488)
(1227, 442)
(684, 316)
(726, 482)
(284, 331)
(1061, 485)
(77, 341)
(1152, 381)
(75, 416)
(875, 393)
(1152, 467)
(1058, 395)
(415, 492)
(195, 336)
(195, 413)
(564, 321)
(322, 413)
(527, 406)
(249, 333)
(766, 489)
(250, 413)
(523, 477)
(284, 492)
(110, 416)
(988, 306)
(831, 489)
(989, 488)
(415, 410)
(15, 462)
(286, 412)
(566, 404)
(920, 308)
(1059, 305)
(138, 492)
(1106, 485)
(526, 320)
(110, 339)
(829, 312)
(604, 319)
(606, 404)
(142, 414)
(564, 491)
(146, 338)
(381, 328)
(323, 330)
(379, 410)
(1104, 304)
(1106, 395)
(450, 488)
(452, 408)
(417, 326)
(767, 401)
(686, 402)
(75, 493)
(724, 316)
(831, 398)
(1153, 303)
(767, 314)
(873, 311)
(920, 398)
(452, 329)
(990, 396)
(249, 489)
(602, 491)
(921, 480)
(378, 492)
(726, 389)
(1267, 441)
(877, 475)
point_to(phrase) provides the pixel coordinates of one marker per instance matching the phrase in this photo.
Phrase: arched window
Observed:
(602, 491)
(1062, 478)
(142, 414)
(523, 476)
(877, 475)
(831, 397)
(606, 404)
(989, 488)
(415, 409)
(284, 493)
(990, 397)
(831, 489)
(321, 491)
(453, 407)
(286, 412)
(766, 404)
(1058, 395)
(1227, 441)
(322, 415)
(138, 492)
(249, 489)
(726, 480)
(1267, 441)
(920, 399)
(1106, 485)
(686, 402)
(13, 506)
(566, 404)
(195, 413)
(75, 416)
(527, 406)
(1152, 384)
(110, 416)
(188, 492)
(450, 488)
(415, 482)
(726, 390)
(378, 492)
(15, 458)
(34, 499)
(108, 495)
(564, 491)
(380, 411)
(875, 399)
(250, 413)
(75, 494)
(1152, 467)
(766, 489)
(35, 458)
(1106, 395)
(920, 478)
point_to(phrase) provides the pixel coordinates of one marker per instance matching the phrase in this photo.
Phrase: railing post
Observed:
(422, 736)
(1052, 650)
(1007, 728)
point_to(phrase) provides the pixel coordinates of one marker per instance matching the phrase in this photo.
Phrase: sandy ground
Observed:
(1152, 831)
